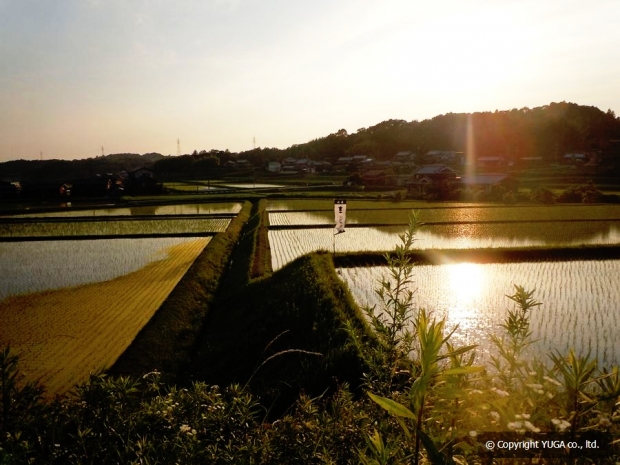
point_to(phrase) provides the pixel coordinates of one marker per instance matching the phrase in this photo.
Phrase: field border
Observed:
(481, 256)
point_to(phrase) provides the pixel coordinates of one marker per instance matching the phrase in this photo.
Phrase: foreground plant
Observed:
(508, 361)
(413, 354)
(389, 360)
(440, 381)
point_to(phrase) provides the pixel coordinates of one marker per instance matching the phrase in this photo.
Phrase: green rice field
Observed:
(387, 214)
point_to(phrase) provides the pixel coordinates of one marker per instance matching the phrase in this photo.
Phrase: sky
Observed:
(139, 75)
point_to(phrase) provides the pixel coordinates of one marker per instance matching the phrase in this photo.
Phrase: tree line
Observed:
(547, 132)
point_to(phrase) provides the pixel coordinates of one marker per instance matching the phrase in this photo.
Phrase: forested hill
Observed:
(548, 132)
(75, 169)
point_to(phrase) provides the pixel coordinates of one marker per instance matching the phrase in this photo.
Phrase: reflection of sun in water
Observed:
(465, 282)
(465, 285)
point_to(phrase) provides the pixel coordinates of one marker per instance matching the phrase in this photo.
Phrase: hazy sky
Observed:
(136, 75)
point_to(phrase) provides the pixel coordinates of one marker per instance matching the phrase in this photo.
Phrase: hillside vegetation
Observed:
(549, 132)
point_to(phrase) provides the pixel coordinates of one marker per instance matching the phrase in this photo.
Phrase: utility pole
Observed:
(254, 142)
(178, 147)
(102, 150)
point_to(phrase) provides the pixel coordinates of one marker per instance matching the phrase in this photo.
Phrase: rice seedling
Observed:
(394, 213)
(63, 335)
(113, 228)
(580, 301)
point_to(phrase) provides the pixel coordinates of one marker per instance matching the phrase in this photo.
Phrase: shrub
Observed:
(587, 193)
(543, 195)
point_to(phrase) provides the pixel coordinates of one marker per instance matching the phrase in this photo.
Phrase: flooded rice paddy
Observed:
(45, 265)
(581, 301)
(289, 244)
(141, 210)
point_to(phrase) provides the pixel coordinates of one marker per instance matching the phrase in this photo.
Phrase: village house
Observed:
(429, 177)
(374, 178)
(274, 166)
(405, 156)
(143, 172)
(97, 186)
(448, 157)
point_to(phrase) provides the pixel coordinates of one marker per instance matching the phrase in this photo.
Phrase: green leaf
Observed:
(434, 456)
(391, 406)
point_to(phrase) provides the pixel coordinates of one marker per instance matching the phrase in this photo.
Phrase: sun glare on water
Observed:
(464, 286)
(466, 282)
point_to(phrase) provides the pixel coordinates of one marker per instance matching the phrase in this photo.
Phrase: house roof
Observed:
(434, 169)
(575, 155)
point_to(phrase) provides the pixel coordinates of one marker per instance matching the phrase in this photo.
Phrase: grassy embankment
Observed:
(261, 262)
(285, 333)
(166, 342)
(498, 255)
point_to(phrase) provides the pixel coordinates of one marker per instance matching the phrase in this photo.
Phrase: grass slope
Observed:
(297, 317)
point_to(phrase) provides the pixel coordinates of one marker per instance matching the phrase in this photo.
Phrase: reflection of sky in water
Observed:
(581, 302)
(45, 265)
(181, 209)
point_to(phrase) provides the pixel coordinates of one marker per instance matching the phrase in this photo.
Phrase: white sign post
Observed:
(340, 216)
